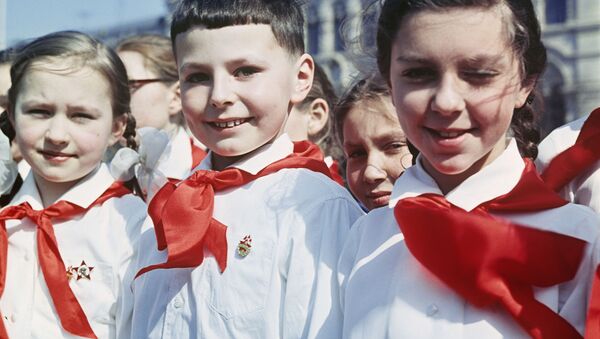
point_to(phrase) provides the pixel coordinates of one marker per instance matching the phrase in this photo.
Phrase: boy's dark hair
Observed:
(284, 16)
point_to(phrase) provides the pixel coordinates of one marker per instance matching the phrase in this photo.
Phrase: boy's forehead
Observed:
(255, 40)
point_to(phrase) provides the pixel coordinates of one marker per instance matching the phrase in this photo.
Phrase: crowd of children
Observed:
(234, 221)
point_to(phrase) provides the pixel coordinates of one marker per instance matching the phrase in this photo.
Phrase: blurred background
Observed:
(341, 35)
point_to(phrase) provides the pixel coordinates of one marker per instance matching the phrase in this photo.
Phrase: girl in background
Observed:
(374, 144)
(155, 100)
(473, 244)
(68, 236)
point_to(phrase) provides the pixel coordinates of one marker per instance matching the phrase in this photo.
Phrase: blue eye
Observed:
(197, 78)
(245, 72)
(419, 73)
(38, 112)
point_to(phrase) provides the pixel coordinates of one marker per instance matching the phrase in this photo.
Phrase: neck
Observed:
(448, 182)
(51, 191)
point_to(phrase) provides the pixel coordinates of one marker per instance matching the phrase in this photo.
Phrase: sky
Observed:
(26, 19)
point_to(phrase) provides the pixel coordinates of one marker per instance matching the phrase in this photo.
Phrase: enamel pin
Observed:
(245, 245)
(82, 271)
(70, 273)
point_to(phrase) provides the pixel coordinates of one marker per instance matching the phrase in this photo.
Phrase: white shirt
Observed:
(285, 287)
(176, 160)
(104, 237)
(584, 189)
(387, 293)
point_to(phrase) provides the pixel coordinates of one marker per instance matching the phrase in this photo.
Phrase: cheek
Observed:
(354, 170)
(194, 101)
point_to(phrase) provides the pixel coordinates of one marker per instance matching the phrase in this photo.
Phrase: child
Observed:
(310, 120)
(248, 244)
(68, 235)
(473, 244)
(155, 100)
(575, 173)
(374, 144)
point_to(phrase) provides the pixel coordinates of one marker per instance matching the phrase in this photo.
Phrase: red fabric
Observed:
(71, 315)
(197, 154)
(563, 169)
(491, 261)
(574, 160)
(182, 214)
(334, 171)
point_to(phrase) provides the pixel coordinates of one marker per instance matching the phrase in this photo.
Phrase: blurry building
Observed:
(571, 83)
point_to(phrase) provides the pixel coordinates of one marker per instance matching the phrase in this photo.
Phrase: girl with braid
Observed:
(473, 244)
(67, 237)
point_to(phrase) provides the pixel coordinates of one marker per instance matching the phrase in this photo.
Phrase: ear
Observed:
(305, 67)
(318, 115)
(174, 99)
(523, 93)
(118, 128)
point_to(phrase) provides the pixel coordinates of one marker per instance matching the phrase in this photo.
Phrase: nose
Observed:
(374, 172)
(221, 95)
(448, 99)
(57, 131)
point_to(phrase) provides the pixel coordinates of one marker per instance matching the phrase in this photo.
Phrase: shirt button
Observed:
(27, 257)
(13, 318)
(178, 303)
(432, 310)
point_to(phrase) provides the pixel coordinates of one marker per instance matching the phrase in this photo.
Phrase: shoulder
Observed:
(559, 140)
(306, 187)
(573, 220)
(128, 209)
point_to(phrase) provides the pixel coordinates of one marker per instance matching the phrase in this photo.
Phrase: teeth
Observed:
(449, 134)
(229, 123)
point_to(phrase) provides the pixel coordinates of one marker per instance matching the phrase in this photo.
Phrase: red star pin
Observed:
(83, 271)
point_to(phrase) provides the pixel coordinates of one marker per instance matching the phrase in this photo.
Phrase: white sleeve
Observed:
(127, 269)
(310, 305)
(574, 295)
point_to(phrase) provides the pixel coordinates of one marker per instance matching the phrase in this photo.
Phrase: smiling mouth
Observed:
(228, 124)
(51, 154)
(447, 134)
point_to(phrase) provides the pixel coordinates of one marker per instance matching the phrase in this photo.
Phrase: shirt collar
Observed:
(178, 160)
(495, 179)
(83, 194)
(258, 159)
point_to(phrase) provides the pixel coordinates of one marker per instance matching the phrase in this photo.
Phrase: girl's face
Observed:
(375, 149)
(455, 83)
(153, 104)
(64, 121)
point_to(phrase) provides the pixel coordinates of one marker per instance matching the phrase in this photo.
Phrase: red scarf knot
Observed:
(183, 213)
(489, 260)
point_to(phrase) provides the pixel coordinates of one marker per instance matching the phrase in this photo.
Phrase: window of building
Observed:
(556, 11)
(314, 30)
(339, 10)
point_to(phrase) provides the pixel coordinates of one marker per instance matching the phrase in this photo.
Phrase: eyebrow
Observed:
(241, 60)
(490, 59)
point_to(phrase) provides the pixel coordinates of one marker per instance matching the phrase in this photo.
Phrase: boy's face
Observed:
(237, 86)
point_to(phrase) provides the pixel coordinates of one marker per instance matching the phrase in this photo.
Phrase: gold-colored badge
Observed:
(245, 245)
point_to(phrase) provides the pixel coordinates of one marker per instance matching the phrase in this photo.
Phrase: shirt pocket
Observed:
(93, 283)
(242, 289)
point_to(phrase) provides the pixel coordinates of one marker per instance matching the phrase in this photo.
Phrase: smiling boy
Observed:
(262, 257)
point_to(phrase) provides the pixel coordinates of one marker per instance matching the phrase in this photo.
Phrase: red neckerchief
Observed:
(70, 313)
(489, 260)
(182, 213)
(197, 154)
(561, 170)
(570, 163)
